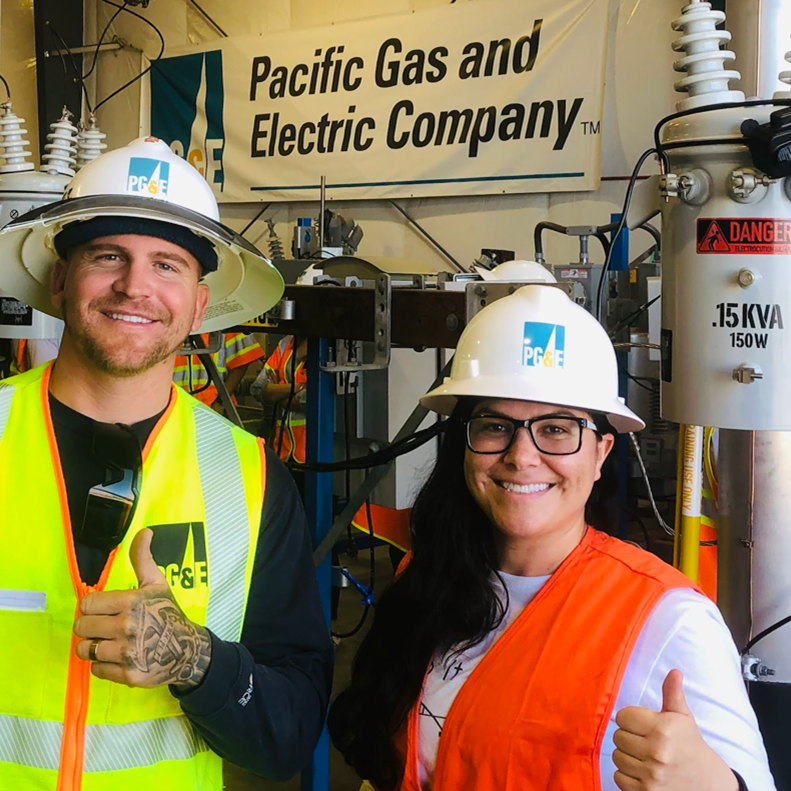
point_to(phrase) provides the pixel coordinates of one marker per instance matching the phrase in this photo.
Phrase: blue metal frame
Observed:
(320, 425)
(619, 260)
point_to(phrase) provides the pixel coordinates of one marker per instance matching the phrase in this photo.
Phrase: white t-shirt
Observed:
(685, 631)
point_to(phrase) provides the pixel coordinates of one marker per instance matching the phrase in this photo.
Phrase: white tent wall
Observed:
(18, 64)
(639, 91)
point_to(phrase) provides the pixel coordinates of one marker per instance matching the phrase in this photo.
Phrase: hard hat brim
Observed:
(444, 398)
(244, 286)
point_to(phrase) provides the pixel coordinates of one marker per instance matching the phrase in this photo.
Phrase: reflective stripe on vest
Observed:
(108, 748)
(226, 514)
(6, 396)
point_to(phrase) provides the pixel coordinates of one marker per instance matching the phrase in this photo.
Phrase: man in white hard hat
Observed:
(158, 609)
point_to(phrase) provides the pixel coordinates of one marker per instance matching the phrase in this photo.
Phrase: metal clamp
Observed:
(754, 670)
(383, 314)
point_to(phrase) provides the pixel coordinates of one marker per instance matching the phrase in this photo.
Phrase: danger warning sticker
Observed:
(744, 236)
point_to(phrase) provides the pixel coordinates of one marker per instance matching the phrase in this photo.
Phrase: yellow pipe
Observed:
(679, 487)
(692, 487)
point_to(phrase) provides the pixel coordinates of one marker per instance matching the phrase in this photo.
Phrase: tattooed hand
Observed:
(146, 640)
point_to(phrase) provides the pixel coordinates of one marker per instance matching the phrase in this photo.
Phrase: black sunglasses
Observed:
(111, 504)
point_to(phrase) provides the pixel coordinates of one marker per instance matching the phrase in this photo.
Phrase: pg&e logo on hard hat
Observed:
(148, 176)
(544, 345)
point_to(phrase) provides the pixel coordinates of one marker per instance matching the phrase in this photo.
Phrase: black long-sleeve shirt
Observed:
(261, 705)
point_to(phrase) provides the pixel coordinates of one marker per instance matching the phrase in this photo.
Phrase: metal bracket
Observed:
(383, 313)
(190, 347)
(479, 295)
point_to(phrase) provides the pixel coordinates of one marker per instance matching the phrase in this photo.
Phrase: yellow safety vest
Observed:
(202, 490)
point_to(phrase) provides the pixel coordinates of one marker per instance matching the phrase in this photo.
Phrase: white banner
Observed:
(489, 97)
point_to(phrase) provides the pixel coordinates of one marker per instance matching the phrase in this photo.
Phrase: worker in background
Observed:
(30, 353)
(522, 647)
(282, 382)
(159, 609)
(232, 360)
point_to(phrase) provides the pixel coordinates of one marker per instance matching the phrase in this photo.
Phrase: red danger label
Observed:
(740, 236)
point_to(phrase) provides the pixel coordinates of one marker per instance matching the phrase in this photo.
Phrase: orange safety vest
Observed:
(389, 524)
(534, 712)
(291, 445)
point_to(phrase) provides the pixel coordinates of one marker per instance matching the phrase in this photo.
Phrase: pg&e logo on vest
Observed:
(544, 345)
(180, 552)
(148, 176)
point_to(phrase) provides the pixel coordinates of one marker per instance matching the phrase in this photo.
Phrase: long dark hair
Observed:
(444, 599)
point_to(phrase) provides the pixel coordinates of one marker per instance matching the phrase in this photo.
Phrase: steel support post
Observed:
(318, 505)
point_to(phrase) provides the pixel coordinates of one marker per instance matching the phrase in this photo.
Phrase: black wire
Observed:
(635, 379)
(150, 65)
(361, 622)
(632, 316)
(64, 47)
(765, 633)
(660, 148)
(621, 224)
(646, 226)
(7, 89)
(538, 243)
(101, 41)
(603, 241)
(383, 456)
(639, 519)
(347, 450)
(254, 220)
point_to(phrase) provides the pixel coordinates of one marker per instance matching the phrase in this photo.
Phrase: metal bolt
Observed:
(747, 374)
(480, 291)
(380, 346)
(452, 322)
(746, 278)
(746, 543)
(763, 670)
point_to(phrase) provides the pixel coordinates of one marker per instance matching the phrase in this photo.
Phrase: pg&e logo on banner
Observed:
(149, 176)
(544, 345)
(187, 106)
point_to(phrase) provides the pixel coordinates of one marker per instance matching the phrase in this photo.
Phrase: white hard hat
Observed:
(536, 345)
(146, 189)
(516, 271)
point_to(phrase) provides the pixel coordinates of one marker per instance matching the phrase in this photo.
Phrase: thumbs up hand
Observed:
(141, 637)
(664, 751)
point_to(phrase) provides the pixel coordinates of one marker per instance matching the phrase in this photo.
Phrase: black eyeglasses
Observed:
(554, 435)
(111, 504)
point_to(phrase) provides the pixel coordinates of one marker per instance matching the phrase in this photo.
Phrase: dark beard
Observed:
(100, 359)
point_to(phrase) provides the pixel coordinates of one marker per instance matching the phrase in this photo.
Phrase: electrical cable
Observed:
(669, 530)
(639, 519)
(383, 456)
(538, 243)
(208, 18)
(101, 40)
(64, 47)
(646, 226)
(765, 633)
(7, 89)
(150, 65)
(624, 322)
(660, 148)
(619, 228)
(368, 600)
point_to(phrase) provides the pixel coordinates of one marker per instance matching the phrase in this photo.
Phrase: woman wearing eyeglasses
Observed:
(522, 648)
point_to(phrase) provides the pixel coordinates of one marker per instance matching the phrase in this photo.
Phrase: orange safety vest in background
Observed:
(533, 714)
(389, 524)
(290, 443)
(190, 373)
